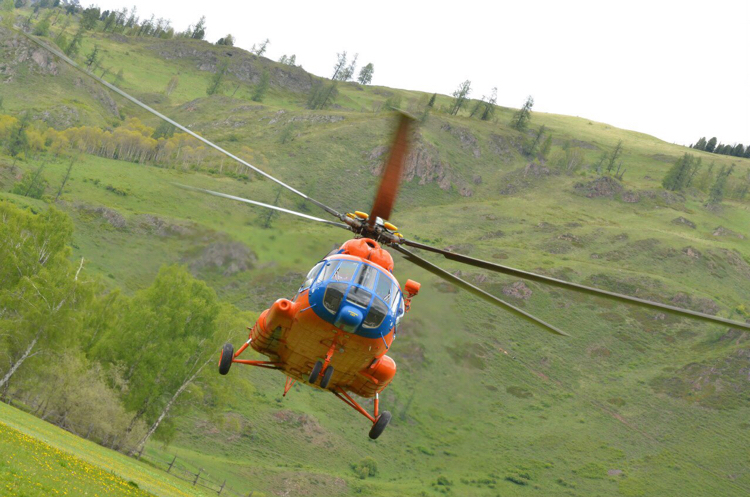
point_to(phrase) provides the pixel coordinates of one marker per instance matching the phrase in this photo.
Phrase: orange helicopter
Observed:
(335, 332)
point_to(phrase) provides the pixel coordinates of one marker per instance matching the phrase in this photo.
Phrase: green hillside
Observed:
(633, 403)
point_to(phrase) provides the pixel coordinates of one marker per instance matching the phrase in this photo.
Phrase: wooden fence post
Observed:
(170, 464)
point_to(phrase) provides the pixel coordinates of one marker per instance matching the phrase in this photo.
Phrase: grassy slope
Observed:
(557, 417)
(39, 459)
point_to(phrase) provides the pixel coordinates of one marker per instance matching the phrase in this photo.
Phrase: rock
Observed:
(111, 216)
(232, 257)
(691, 252)
(535, 169)
(722, 231)
(518, 290)
(630, 197)
(606, 186)
(614, 472)
(683, 221)
(468, 141)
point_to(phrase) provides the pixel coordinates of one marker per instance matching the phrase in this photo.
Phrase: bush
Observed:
(367, 467)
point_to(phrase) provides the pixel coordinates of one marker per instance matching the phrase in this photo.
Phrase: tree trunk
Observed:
(141, 444)
(20, 361)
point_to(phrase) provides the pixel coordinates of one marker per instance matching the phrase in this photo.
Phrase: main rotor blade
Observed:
(391, 177)
(261, 204)
(177, 125)
(499, 268)
(442, 273)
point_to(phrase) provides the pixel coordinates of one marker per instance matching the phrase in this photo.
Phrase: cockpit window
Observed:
(345, 271)
(333, 296)
(378, 312)
(385, 288)
(328, 270)
(311, 276)
(359, 296)
(366, 276)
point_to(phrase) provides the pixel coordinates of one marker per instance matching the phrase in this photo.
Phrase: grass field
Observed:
(633, 404)
(39, 459)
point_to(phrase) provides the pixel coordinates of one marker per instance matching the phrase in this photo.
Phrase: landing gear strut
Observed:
(379, 420)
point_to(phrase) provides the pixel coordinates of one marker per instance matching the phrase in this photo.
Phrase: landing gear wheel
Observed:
(315, 372)
(225, 361)
(327, 374)
(380, 424)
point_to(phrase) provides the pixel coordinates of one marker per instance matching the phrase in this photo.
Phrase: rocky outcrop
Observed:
(16, 51)
(606, 186)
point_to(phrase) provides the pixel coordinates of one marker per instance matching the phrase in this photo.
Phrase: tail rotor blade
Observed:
(391, 177)
(488, 297)
(499, 268)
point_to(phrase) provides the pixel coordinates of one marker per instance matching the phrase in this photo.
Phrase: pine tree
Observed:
(260, 89)
(92, 57)
(214, 85)
(711, 145)
(678, 175)
(616, 153)
(460, 96)
(522, 117)
(546, 147)
(700, 144)
(489, 106)
(431, 103)
(718, 189)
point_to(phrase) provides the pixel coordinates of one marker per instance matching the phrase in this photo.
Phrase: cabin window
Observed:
(385, 288)
(359, 296)
(366, 276)
(311, 276)
(328, 270)
(333, 296)
(345, 271)
(376, 315)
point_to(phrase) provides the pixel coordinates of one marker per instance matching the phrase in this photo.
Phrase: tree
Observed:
(199, 31)
(340, 65)
(489, 106)
(42, 27)
(89, 18)
(546, 147)
(75, 44)
(711, 145)
(521, 118)
(718, 189)
(679, 174)
(214, 84)
(431, 103)
(92, 57)
(261, 48)
(320, 95)
(738, 150)
(616, 153)
(18, 141)
(173, 326)
(172, 85)
(32, 185)
(365, 74)
(38, 290)
(261, 88)
(227, 41)
(460, 96)
(700, 144)
(532, 146)
(65, 179)
(348, 71)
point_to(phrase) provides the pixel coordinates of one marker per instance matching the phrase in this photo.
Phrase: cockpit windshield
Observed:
(352, 285)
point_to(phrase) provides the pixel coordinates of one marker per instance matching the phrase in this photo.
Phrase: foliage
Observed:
(32, 184)
(365, 468)
(261, 88)
(215, 83)
(460, 96)
(365, 74)
(521, 118)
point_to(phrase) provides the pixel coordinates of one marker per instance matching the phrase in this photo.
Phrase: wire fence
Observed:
(187, 471)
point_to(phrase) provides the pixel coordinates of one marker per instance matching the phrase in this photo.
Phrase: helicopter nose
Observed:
(349, 318)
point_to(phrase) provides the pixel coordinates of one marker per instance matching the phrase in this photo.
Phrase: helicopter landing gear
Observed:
(380, 424)
(315, 372)
(327, 374)
(225, 360)
(379, 420)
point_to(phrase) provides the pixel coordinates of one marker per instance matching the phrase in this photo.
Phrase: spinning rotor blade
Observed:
(261, 204)
(391, 178)
(491, 266)
(177, 125)
(411, 257)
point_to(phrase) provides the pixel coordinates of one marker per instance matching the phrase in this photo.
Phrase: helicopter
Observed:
(335, 332)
